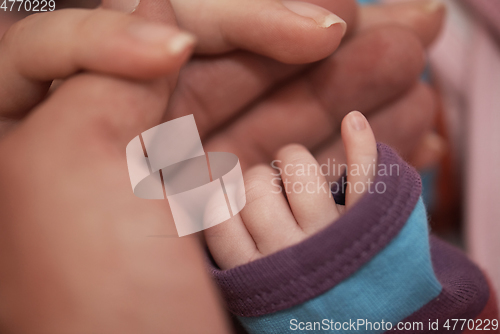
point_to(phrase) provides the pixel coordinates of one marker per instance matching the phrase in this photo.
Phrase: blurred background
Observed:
(462, 190)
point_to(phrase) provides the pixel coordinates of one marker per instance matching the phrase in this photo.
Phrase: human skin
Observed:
(75, 269)
(247, 99)
(75, 256)
(275, 218)
(224, 88)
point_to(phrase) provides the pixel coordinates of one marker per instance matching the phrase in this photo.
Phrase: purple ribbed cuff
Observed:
(306, 270)
(465, 290)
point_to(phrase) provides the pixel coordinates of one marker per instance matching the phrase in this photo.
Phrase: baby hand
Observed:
(281, 213)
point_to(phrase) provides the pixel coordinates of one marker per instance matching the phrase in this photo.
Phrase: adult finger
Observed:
(401, 125)
(410, 119)
(365, 74)
(60, 43)
(218, 89)
(107, 109)
(429, 151)
(288, 31)
(423, 17)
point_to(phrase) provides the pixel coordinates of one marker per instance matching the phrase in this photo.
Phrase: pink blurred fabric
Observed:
(483, 183)
(465, 60)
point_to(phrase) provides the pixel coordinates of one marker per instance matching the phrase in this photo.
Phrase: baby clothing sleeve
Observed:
(374, 270)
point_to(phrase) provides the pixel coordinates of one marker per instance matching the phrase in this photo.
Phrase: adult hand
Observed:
(66, 42)
(75, 256)
(252, 105)
(292, 31)
(383, 81)
(288, 31)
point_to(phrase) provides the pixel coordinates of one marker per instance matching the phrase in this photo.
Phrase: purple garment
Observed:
(465, 289)
(304, 271)
(322, 261)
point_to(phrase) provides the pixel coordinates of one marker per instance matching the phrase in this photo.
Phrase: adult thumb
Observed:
(288, 31)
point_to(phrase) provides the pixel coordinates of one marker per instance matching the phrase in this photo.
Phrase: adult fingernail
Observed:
(323, 17)
(126, 6)
(432, 6)
(181, 42)
(155, 34)
(435, 143)
(357, 121)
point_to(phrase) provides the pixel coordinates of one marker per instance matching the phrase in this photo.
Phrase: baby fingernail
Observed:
(323, 17)
(357, 120)
(156, 34)
(126, 6)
